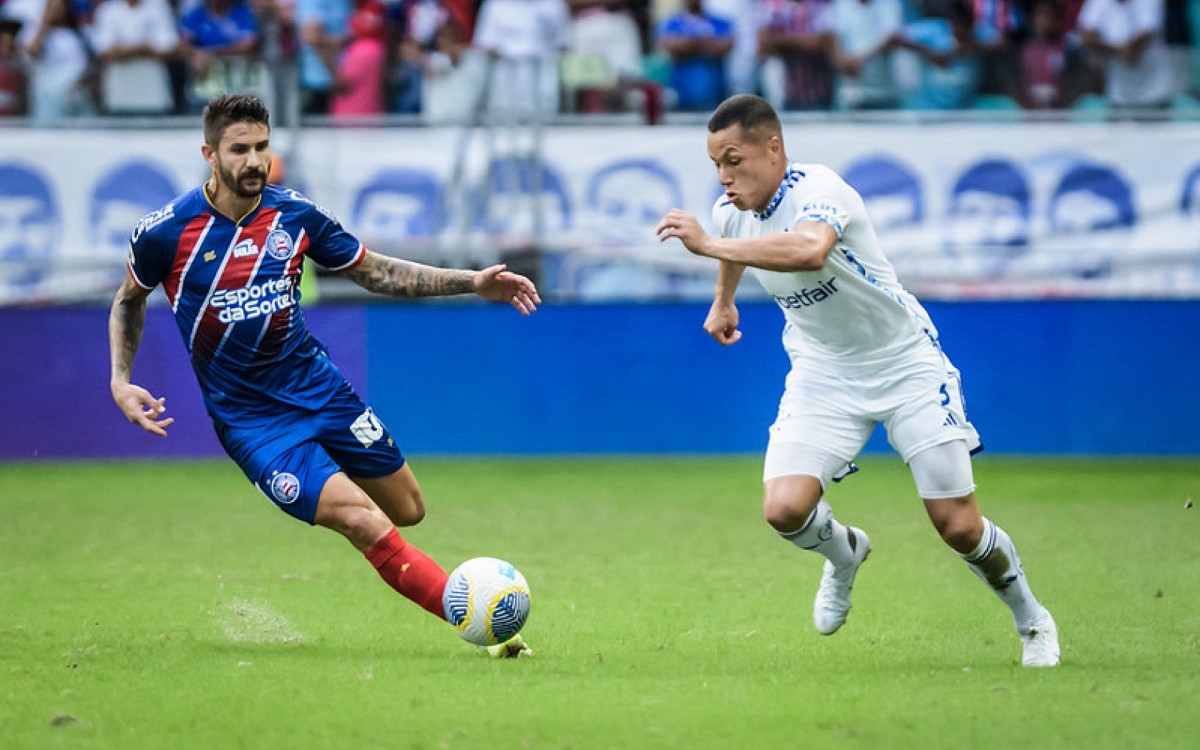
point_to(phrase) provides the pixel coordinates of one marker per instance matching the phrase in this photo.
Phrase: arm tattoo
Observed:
(125, 325)
(402, 278)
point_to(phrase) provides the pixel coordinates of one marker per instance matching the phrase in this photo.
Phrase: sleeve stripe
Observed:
(358, 258)
(822, 219)
(133, 275)
(824, 211)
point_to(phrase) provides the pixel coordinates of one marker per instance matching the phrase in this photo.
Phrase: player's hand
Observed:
(141, 408)
(685, 226)
(722, 323)
(499, 285)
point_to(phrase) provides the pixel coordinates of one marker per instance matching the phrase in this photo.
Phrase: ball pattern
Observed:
(486, 601)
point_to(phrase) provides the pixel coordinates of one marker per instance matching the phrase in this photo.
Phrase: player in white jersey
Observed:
(863, 351)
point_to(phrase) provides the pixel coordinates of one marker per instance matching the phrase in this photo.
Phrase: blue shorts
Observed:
(291, 458)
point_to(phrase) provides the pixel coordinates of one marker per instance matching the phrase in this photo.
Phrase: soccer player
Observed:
(863, 351)
(229, 255)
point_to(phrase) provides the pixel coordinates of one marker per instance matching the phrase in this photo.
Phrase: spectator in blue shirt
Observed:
(697, 44)
(217, 29)
(220, 27)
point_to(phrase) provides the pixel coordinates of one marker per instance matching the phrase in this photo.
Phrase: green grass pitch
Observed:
(169, 605)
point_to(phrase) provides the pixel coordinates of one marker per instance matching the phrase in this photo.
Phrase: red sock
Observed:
(410, 571)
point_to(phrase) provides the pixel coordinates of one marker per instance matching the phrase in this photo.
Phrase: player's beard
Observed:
(238, 184)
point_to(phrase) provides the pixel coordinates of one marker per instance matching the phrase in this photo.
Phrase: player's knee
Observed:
(781, 516)
(962, 531)
(789, 501)
(398, 495)
(363, 525)
(410, 512)
(785, 513)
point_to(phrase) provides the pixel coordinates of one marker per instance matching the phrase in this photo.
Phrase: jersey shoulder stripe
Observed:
(155, 241)
(191, 240)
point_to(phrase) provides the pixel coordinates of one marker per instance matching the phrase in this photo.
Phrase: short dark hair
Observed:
(752, 112)
(225, 110)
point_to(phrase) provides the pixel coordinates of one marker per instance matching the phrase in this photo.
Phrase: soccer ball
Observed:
(486, 601)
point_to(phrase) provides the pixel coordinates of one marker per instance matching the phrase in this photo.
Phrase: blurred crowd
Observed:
(448, 59)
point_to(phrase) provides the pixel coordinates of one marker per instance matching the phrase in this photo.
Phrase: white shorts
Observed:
(824, 420)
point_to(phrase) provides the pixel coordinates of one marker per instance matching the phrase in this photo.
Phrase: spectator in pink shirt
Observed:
(363, 65)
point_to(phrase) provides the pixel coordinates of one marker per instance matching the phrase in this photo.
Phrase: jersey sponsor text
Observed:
(367, 428)
(806, 297)
(153, 219)
(245, 248)
(253, 301)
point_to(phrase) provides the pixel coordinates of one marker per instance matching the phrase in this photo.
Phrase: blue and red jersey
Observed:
(234, 287)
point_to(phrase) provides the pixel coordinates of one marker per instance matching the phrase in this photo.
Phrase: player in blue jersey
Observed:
(229, 256)
(863, 351)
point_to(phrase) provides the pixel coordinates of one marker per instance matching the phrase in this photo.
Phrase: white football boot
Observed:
(833, 597)
(1039, 647)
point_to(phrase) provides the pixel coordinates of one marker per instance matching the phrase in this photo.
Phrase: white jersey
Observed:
(852, 315)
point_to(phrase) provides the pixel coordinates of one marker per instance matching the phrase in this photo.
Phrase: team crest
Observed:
(279, 244)
(285, 488)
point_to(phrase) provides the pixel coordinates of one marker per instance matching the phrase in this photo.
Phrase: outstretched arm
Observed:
(401, 278)
(804, 248)
(125, 325)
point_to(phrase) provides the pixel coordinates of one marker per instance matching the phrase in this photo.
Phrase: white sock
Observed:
(822, 533)
(997, 564)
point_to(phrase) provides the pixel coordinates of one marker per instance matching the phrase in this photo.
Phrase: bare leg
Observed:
(398, 495)
(345, 507)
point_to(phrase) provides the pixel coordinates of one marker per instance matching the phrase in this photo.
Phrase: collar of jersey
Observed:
(792, 176)
(208, 198)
